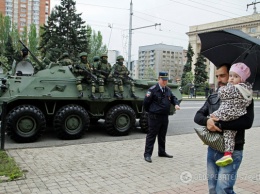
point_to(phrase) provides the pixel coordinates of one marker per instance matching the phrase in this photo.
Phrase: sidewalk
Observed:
(119, 167)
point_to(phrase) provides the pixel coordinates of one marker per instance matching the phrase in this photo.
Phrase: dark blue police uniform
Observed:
(157, 103)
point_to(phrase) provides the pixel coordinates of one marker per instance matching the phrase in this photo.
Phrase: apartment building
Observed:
(160, 57)
(26, 12)
(248, 24)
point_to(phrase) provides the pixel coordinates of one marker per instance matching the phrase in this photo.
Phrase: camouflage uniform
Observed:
(101, 69)
(65, 60)
(79, 72)
(24, 61)
(120, 74)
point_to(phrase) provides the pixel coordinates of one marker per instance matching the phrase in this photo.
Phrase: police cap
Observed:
(163, 75)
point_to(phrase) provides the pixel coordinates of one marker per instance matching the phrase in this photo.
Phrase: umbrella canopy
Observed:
(231, 46)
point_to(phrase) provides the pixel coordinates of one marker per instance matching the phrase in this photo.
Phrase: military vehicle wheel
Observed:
(120, 120)
(25, 123)
(143, 122)
(71, 121)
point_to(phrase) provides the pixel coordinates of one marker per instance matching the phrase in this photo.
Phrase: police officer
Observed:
(120, 74)
(157, 103)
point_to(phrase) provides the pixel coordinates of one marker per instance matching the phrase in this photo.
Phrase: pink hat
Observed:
(242, 70)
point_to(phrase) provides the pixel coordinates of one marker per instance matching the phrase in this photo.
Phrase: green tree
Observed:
(33, 40)
(24, 35)
(5, 27)
(4, 64)
(188, 80)
(15, 35)
(96, 44)
(201, 75)
(65, 30)
(9, 51)
(187, 66)
(149, 73)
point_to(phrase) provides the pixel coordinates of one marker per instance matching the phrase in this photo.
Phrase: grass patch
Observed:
(8, 168)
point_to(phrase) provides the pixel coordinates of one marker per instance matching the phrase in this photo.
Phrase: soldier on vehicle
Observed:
(25, 65)
(120, 74)
(65, 60)
(101, 69)
(51, 56)
(83, 71)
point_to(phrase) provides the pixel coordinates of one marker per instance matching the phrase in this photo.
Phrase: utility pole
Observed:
(130, 34)
(110, 26)
(253, 3)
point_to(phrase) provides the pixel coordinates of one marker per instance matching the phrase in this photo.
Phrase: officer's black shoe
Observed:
(80, 95)
(165, 155)
(134, 96)
(148, 159)
(117, 95)
(93, 97)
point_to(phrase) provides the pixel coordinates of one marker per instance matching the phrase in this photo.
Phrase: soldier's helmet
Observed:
(83, 54)
(96, 58)
(120, 57)
(103, 55)
(66, 54)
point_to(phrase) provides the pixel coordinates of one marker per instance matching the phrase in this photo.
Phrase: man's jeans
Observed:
(222, 179)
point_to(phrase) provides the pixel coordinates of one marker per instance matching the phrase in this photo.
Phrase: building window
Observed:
(252, 30)
(22, 19)
(23, 1)
(35, 7)
(9, 4)
(9, 14)
(36, 21)
(22, 23)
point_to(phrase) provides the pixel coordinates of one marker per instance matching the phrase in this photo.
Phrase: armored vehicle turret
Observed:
(49, 98)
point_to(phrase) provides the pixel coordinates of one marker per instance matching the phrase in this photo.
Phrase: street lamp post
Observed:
(130, 33)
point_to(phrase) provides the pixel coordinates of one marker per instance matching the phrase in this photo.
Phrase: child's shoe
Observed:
(224, 161)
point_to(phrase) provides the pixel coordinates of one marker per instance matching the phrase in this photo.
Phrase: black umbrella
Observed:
(231, 46)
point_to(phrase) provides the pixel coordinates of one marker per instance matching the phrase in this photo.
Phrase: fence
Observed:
(193, 92)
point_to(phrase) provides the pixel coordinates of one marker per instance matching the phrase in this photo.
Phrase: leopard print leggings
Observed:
(229, 140)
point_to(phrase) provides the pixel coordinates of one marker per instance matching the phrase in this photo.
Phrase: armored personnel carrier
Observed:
(49, 98)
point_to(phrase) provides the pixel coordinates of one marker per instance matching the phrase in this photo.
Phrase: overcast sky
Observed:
(111, 17)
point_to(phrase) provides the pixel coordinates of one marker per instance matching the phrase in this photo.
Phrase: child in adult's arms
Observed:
(235, 97)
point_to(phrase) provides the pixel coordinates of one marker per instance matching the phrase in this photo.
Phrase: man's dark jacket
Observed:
(239, 125)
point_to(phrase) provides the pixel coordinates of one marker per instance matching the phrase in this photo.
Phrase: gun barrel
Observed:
(88, 72)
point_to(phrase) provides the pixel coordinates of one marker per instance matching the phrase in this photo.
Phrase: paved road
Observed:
(180, 123)
(118, 167)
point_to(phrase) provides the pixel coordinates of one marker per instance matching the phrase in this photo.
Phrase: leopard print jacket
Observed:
(234, 101)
